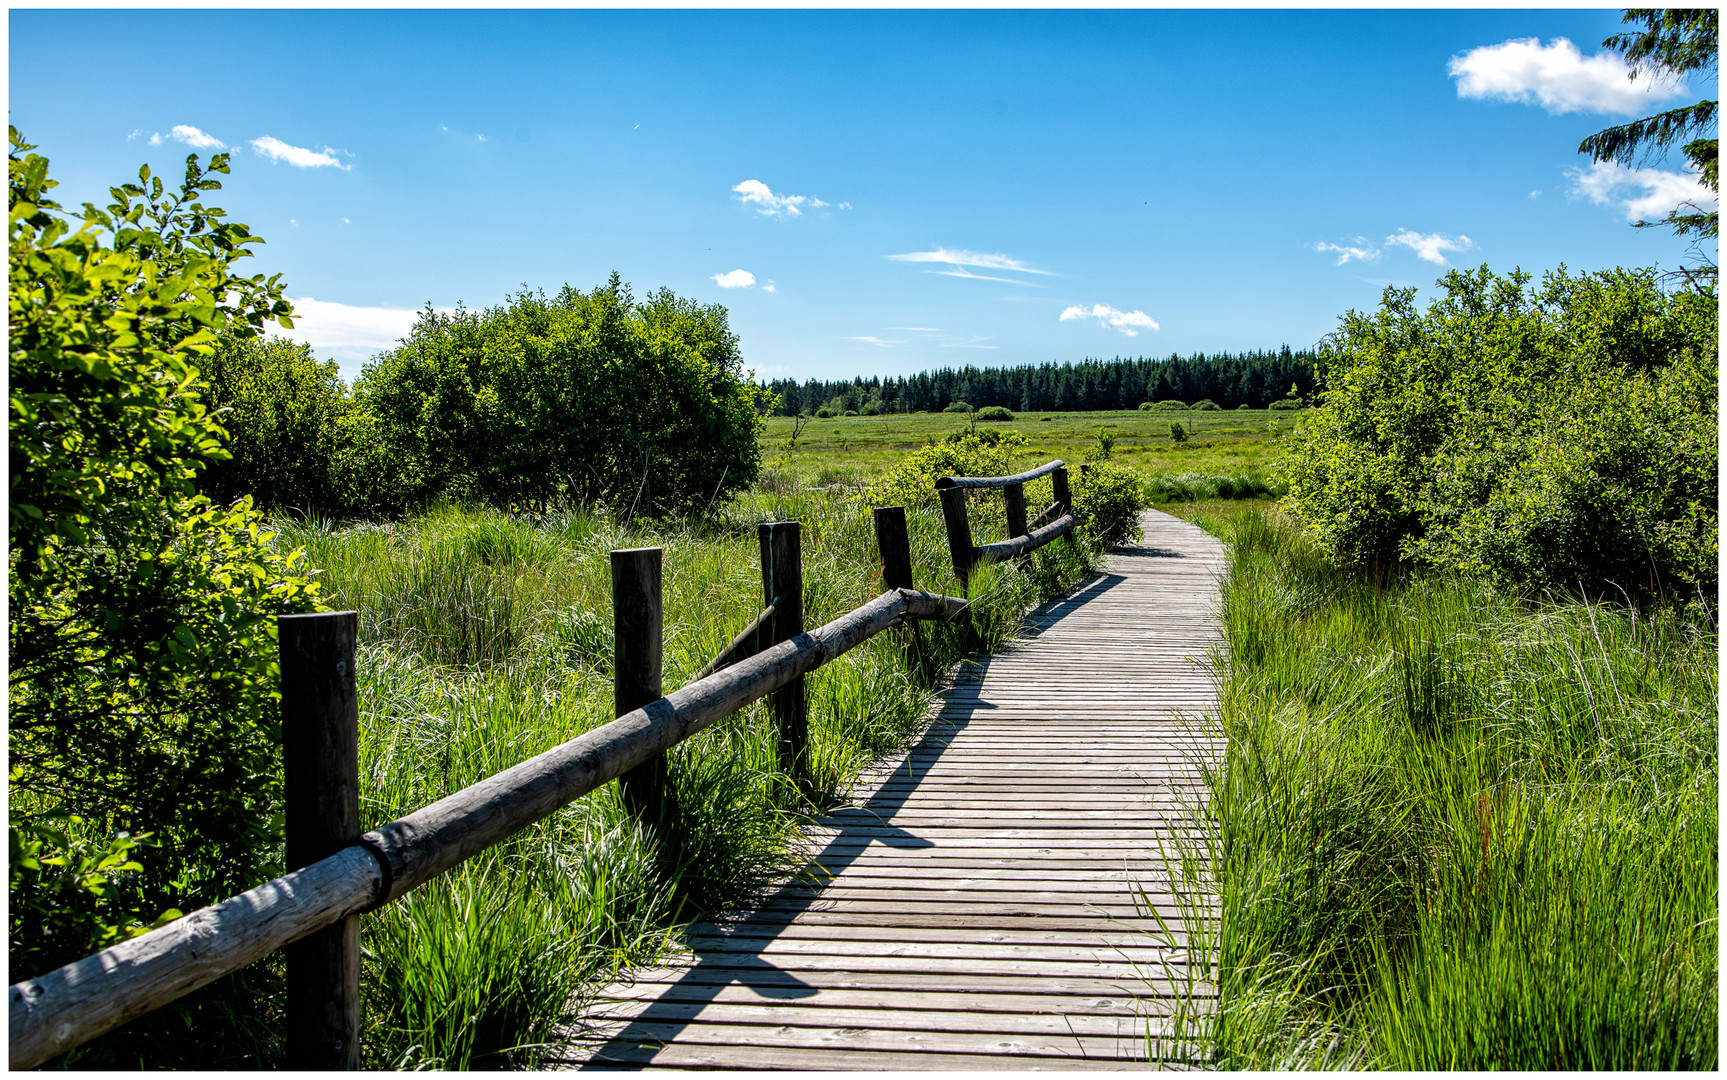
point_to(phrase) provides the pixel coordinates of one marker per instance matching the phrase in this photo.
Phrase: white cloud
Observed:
(957, 259)
(185, 133)
(1125, 321)
(1429, 246)
(735, 279)
(917, 329)
(1643, 194)
(845, 206)
(772, 205)
(1360, 251)
(878, 342)
(277, 150)
(346, 331)
(770, 287)
(1558, 78)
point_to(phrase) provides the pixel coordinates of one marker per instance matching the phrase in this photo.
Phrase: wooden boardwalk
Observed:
(984, 907)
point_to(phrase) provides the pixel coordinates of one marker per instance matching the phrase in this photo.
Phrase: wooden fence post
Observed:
(958, 533)
(637, 622)
(894, 543)
(1063, 499)
(783, 577)
(321, 816)
(1014, 495)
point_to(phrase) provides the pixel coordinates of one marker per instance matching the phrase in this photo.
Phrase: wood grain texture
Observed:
(991, 901)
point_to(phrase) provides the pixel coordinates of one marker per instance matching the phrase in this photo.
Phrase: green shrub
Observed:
(1105, 448)
(824, 414)
(985, 452)
(1206, 405)
(1555, 436)
(1244, 405)
(1178, 431)
(143, 708)
(1168, 405)
(284, 414)
(642, 407)
(1045, 419)
(851, 412)
(958, 407)
(994, 412)
(1107, 499)
(1285, 405)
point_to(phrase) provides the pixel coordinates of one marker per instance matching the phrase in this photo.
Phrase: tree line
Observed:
(1251, 379)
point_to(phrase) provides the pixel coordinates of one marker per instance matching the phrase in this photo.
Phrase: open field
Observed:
(856, 448)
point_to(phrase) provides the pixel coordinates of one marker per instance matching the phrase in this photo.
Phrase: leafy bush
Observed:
(1205, 405)
(1555, 436)
(1105, 448)
(824, 414)
(986, 452)
(1107, 499)
(1285, 404)
(643, 407)
(958, 407)
(994, 412)
(1178, 431)
(285, 414)
(1169, 405)
(143, 706)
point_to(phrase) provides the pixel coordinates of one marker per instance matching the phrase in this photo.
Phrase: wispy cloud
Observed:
(754, 192)
(1557, 77)
(277, 150)
(184, 133)
(1643, 194)
(735, 279)
(957, 260)
(974, 343)
(917, 329)
(1430, 247)
(1128, 322)
(1360, 251)
(348, 331)
(770, 287)
(868, 340)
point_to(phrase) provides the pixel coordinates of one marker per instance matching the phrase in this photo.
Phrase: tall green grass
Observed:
(488, 640)
(1457, 828)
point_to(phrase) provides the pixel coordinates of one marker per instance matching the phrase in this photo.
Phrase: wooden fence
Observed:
(336, 873)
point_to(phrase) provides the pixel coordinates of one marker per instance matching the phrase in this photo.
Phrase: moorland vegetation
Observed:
(1467, 817)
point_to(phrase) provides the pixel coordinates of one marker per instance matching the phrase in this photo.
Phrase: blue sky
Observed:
(871, 192)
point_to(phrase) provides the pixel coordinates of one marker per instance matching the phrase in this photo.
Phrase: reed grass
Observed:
(488, 640)
(1456, 827)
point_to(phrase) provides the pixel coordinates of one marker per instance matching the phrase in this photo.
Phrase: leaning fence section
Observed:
(337, 873)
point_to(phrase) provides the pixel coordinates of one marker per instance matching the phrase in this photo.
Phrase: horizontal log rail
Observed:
(1050, 513)
(999, 481)
(1024, 545)
(61, 1009)
(1022, 537)
(741, 646)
